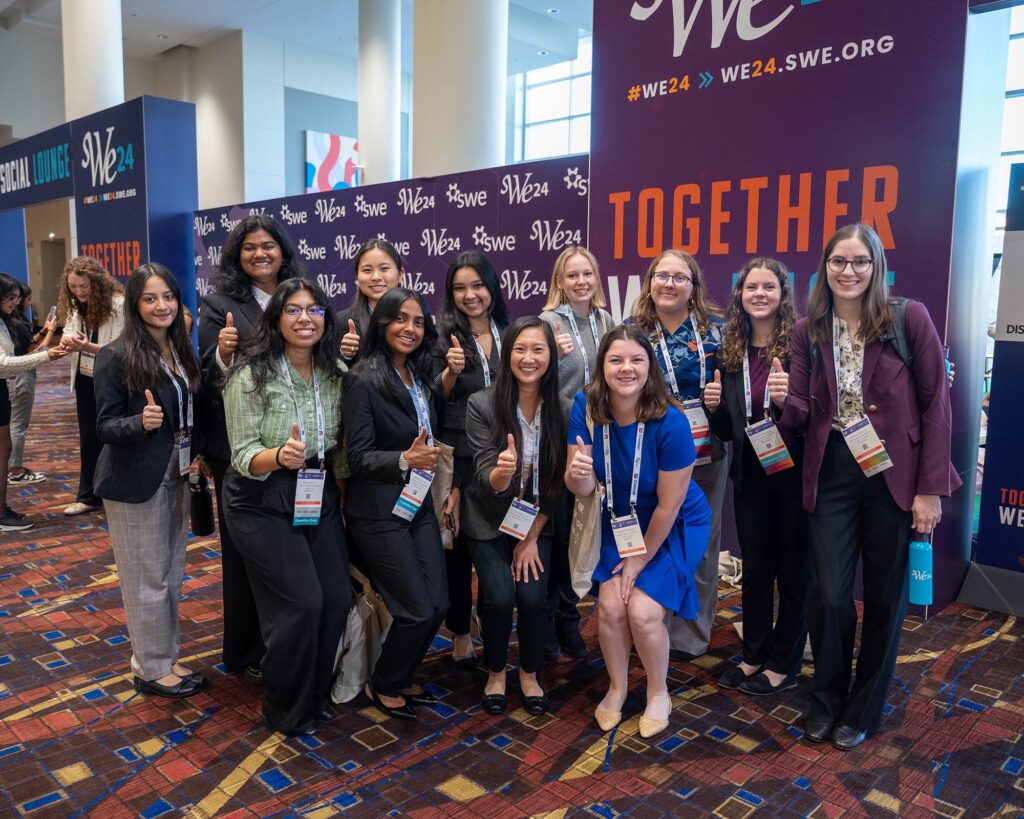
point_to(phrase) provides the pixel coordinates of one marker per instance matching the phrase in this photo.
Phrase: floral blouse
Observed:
(850, 407)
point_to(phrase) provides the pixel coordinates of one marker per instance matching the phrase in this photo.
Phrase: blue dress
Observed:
(667, 447)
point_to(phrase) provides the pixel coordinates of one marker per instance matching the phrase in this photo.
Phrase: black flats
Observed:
(759, 685)
(186, 687)
(403, 711)
(536, 705)
(421, 698)
(733, 676)
(494, 703)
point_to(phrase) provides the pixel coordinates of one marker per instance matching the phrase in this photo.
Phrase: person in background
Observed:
(379, 269)
(466, 360)
(257, 256)
(748, 392)
(90, 306)
(189, 321)
(145, 382)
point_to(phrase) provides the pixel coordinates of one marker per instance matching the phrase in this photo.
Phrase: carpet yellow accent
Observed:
(461, 789)
(883, 800)
(233, 782)
(72, 774)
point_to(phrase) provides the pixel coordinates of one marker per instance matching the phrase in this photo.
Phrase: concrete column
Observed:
(93, 56)
(459, 85)
(380, 90)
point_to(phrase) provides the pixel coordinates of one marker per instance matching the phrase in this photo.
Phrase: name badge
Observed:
(413, 494)
(86, 363)
(771, 450)
(519, 519)
(866, 447)
(629, 539)
(700, 429)
(184, 445)
(309, 497)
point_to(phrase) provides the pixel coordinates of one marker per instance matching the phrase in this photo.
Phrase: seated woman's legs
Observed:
(615, 639)
(532, 621)
(650, 636)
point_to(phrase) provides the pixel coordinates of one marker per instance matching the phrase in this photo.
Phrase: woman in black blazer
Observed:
(379, 269)
(390, 419)
(257, 256)
(516, 429)
(145, 381)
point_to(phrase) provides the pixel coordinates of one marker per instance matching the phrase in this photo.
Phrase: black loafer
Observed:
(494, 703)
(759, 685)
(199, 679)
(324, 713)
(184, 688)
(253, 674)
(818, 730)
(422, 698)
(571, 641)
(536, 705)
(733, 677)
(846, 737)
(307, 729)
(403, 711)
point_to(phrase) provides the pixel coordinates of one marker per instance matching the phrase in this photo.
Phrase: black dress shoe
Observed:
(846, 737)
(253, 674)
(184, 688)
(818, 730)
(732, 677)
(536, 705)
(307, 729)
(422, 698)
(324, 713)
(199, 679)
(679, 654)
(403, 711)
(571, 641)
(494, 703)
(759, 685)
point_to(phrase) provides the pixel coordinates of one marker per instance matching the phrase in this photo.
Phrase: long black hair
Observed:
(262, 351)
(376, 363)
(231, 279)
(453, 321)
(552, 421)
(17, 327)
(142, 368)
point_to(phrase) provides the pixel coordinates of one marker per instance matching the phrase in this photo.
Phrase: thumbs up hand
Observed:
(227, 339)
(778, 384)
(505, 470)
(456, 357)
(563, 341)
(581, 466)
(420, 454)
(292, 454)
(350, 341)
(713, 392)
(152, 414)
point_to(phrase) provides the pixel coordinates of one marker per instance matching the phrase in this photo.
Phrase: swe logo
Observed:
(682, 23)
(575, 181)
(367, 209)
(522, 189)
(311, 252)
(462, 199)
(292, 217)
(437, 242)
(203, 225)
(492, 243)
(327, 211)
(413, 201)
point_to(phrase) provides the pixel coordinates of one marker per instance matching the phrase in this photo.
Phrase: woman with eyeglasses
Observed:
(379, 269)
(257, 256)
(283, 409)
(685, 327)
(876, 463)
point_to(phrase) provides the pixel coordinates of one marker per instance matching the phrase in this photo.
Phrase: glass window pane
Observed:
(1015, 66)
(1013, 125)
(581, 95)
(579, 135)
(549, 139)
(584, 53)
(557, 71)
(1017, 20)
(1002, 190)
(547, 101)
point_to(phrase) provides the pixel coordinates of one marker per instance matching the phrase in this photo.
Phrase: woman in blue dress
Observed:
(650, 489)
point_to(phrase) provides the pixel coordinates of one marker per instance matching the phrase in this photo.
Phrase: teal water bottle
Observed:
(920, 575)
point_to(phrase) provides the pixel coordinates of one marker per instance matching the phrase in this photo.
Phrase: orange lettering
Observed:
(719, 217)
(788, 212)
(649, 249)
(833, 207)
(691, 192)
(618, 200)
(753, 186)
(875, 211)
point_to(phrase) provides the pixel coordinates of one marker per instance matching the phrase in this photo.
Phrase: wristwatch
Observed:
(403, 464)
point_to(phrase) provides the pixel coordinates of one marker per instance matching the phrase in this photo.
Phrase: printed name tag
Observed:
(184, 456)
(86, 363)
(768, 445)
(413, 494)
(700, 429)
(866, 447)
(309, 497)
(629, 539)
(519, 518)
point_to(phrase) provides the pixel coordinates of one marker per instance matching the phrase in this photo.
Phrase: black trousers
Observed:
(562, 599)
(243, 642)
(855, 518)
(299, 577)
(500, 593)
(407, 566)
(88, 441)
(459, 572)
(772, 529)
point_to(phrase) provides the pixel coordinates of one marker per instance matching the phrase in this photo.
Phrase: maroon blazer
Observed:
(910, 411)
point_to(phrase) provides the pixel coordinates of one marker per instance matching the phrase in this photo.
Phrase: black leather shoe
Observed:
(759, 685)
(733, 677)
(421, 698)
(679, 654)
(846, 737)
(536, 705)
(818, 730)
(571, 641)
(199, 679)
(307, 729)
(253, 674)
(403, 711)
(184, 688)
(324, 713)
(494, 703)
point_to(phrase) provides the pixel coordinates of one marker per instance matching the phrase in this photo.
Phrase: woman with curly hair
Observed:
(745, 400)
(90, 305)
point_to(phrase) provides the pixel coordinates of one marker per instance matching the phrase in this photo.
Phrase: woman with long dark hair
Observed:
(145, 383)
(256, 257)
(876, 463)
(516, 429)
(379, 269)
(390, 422)
(90, 306)
(466, 360)
(283, 410)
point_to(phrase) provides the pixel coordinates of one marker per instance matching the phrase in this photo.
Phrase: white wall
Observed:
(31, 83)
(217, 89)
(263, 75)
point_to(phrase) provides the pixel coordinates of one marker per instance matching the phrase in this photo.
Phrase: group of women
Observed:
(421, 451)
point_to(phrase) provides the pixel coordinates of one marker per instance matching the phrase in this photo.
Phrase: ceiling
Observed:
(537, 36)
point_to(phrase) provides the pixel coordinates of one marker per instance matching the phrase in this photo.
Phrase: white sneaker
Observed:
(28, 476)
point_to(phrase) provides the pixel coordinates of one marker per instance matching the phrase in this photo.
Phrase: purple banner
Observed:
(521, 216)
(757, 127)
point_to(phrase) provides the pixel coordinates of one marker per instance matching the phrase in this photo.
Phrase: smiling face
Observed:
(302, 331)
(848, 284)
(405, 334)
(470, 294)
(671, 297)
(626, 367)
(80, 287)
(530, 356)
(578, 280)
(376, 274)
(260, 257)
(157, 305)
(761, 294)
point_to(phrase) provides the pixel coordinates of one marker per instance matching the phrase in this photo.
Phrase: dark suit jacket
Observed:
(378, 428)
(212, 317)
(362, 320)
(909, 411)
(133, 461)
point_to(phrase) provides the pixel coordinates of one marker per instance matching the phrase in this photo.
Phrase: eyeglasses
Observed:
(837, 264)
(266, 247)
(679, 280)
(294, 311)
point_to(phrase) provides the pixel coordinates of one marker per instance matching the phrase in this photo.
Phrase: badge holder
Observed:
(87, 363)
(629, 537)
(309, 497)
(413, 494)
(700, 429)
(866, 447)
(184, 444)
(519, 519)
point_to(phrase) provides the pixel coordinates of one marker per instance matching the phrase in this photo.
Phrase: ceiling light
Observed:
(542, 53)
(552, 11)
(52, 234)
(162, 37)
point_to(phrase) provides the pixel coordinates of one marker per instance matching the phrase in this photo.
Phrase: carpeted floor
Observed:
(75, 740)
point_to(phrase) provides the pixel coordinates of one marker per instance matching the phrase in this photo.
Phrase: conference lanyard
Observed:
(747, 390)
(183, 427)
(837, 331)
(670, 370)
(422, 413)
(321, 435)
(634, 484)
(484, 363)
(579, 341)
(534, 428)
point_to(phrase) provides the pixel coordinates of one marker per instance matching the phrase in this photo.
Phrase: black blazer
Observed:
(362, 320)
(212, 317)
(133, 461)
(379, 428)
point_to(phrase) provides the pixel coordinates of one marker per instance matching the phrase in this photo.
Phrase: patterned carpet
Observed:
(75, 740)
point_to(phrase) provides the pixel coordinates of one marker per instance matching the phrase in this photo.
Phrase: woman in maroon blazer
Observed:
(876, 462)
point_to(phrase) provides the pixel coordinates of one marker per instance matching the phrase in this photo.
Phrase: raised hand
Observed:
(420, 454)
(713, 392)
(582, 465)
(778, 384)
(563, 341)
(456, 357)
(227, 339)
(74, 343)
(505, 469)
(152, 414)
(350, 341)
(293, 452)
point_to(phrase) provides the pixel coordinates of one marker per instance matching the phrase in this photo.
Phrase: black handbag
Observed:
(200, 506)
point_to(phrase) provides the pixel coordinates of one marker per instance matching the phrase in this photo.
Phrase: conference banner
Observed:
(521, 216)
(36, 169)
(734, 128)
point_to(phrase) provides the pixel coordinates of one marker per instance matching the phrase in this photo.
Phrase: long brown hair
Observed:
(874, 309)
(738, 330)
(556, 292)
(701, 305)
(102, 289)
(654, 400)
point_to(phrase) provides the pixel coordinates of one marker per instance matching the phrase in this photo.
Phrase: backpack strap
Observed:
(898, 315)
